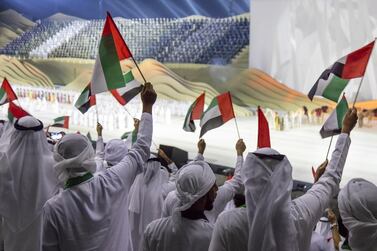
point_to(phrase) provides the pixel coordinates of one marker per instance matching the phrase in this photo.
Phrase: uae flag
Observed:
(333, 124)
(15, 111)
(6, 93)
(334, 79)
(195, 112)
(62, 121)
(218, 113)
(129, 91)
(263, 130)
(85, 100)
(130, 136)
(107, 73)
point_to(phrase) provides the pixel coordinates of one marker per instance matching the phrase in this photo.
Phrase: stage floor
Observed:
(303, 146)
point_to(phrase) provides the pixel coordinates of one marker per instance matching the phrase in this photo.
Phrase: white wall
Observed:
(295, 40)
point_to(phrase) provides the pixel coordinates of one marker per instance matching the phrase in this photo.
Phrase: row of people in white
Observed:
(109, 199)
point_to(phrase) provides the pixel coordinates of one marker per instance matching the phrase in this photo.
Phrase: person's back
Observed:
(189, 235)
(231, 231)
(27, 181)
(294, 220)
(91, 214)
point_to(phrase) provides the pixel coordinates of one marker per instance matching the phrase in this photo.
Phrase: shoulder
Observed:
(232, 219)
(157, 225)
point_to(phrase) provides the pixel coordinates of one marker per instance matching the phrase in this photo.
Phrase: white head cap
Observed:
(115, 150)
(193, 182)
(74, 155)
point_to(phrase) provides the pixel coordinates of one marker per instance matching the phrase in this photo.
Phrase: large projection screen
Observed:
(295, 40)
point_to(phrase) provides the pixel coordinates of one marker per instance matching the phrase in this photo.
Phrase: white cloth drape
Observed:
(358, 208)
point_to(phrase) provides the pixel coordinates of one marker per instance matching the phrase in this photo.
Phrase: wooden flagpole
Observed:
(328, 150)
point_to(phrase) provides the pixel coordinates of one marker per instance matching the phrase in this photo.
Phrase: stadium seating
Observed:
(184, 40)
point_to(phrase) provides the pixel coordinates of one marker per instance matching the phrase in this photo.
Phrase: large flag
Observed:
(195, 112)
(334, 79)
(15, 111)
(62, 121)
(333, 124)
(263, 130)
(6, 93)
(218, 112)
(107, 73)
(85, 100)
(125, 94)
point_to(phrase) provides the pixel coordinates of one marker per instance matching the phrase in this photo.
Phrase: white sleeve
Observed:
(199, 156)
(100, 147)
(133, 162)
(310, 206)
(226, 192)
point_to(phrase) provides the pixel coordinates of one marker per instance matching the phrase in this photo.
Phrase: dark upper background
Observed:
(94, 9)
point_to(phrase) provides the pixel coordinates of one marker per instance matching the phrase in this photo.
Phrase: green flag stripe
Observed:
(110, 63)
(334, 89)
(128, 77)
(341, 110)
(59, 119)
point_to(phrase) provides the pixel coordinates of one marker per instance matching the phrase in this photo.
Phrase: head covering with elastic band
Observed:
(268, 185)
(27, 177)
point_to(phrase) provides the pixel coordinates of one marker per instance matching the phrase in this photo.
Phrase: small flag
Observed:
(333, 80)
(195, 112)
(218, 113)
(263, 130)
(107, 73)
(333, 124)
(85, 100)
(125, 94)
(62, 121)
(6, 93)
(15, 111)
(130, 136)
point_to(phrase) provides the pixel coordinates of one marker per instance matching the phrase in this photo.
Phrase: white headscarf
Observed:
(74, 155)
(115, 150)
(27, 177)
(358, 209)
(268, 185)
(194, 181)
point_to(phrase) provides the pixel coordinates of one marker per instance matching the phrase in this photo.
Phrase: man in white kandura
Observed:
(225, 193)
(90, 214)
(27, 181)
(358, 208)
(188, 228)
(271, 220)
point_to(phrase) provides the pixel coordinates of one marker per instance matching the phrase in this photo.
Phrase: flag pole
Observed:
(362, 79)
(238, 131)
(97, 113)
(137, 66)
(328, 150)
(125, 108)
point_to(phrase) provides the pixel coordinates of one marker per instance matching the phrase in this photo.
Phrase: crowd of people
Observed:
(174, 40)
(66, 195)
